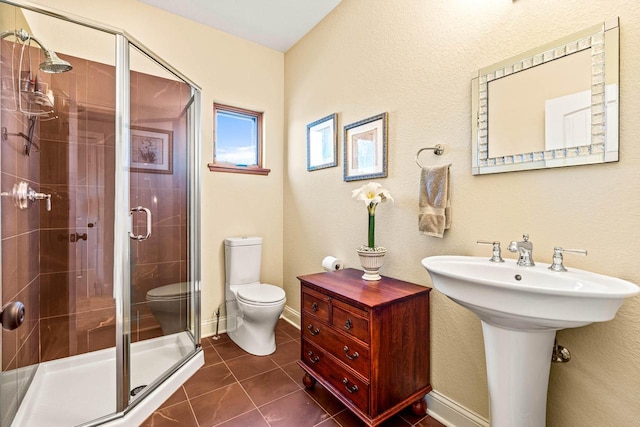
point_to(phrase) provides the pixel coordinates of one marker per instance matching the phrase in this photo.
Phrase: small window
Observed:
(237, 145)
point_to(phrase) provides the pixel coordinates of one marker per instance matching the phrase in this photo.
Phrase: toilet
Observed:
(168, 304)
(253, 308)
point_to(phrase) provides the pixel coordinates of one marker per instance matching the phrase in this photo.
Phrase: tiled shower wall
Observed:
(60, 263)
(20, 228)
(76, 238)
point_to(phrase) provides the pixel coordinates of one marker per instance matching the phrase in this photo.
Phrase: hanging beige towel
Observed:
(435, 205)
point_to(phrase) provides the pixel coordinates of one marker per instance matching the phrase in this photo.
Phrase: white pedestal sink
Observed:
(521, 308)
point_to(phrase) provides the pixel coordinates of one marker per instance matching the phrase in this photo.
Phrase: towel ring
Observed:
(437, 150)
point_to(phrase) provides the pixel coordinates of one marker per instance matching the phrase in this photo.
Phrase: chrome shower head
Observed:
(53, 64)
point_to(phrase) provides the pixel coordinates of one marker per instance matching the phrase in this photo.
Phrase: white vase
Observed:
(371, 260)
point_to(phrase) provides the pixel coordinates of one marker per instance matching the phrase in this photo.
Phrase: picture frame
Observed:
(151, 150)
(322, 143)
(365, 148)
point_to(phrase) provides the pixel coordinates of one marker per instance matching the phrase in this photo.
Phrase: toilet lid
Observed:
(174, 290)
(261, 294)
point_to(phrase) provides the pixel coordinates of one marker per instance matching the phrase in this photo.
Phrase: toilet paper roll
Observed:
(330, 263)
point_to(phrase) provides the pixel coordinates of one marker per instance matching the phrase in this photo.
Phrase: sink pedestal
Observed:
(521, 308)
(518, 364)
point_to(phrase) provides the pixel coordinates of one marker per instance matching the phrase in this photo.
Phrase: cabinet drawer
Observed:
(347, 384)
(351, 323)
(315, 303)
(347, 350)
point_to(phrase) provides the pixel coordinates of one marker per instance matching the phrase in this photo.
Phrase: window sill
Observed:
(252, 170)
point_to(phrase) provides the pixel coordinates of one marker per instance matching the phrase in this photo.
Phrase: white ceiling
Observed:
(277, 24)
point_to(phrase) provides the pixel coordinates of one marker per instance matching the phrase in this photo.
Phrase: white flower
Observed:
(371, 193)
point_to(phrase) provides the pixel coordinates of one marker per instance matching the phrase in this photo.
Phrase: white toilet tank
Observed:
(242, 259)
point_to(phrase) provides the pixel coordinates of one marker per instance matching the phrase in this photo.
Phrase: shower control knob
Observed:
(23, 196)
(12, 315)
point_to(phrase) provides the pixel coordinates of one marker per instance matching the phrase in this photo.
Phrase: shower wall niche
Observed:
(65, 136)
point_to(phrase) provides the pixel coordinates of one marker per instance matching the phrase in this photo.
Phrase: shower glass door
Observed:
(162, 283)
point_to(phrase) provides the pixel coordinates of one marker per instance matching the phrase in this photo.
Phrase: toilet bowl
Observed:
(253, 308)
(168, 304)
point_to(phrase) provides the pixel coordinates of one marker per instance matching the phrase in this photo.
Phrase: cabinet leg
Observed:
(308, 381)
(419, 407)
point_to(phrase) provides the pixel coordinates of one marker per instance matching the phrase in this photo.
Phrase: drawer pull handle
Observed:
(312, 358)
(352, 356)
(352, 389)
(312, 331)
(348, 324)
(314, 306)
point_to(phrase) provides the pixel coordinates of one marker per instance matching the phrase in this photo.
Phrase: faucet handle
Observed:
(557, 257)
(497, 256)
(525, 237)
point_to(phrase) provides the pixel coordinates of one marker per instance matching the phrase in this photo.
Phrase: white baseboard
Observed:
(208, 327)
(451, 413)
(292, 316)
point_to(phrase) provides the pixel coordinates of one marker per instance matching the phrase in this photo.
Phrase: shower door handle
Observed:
(140, 237)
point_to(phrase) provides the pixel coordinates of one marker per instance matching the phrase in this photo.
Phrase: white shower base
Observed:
(78, 389)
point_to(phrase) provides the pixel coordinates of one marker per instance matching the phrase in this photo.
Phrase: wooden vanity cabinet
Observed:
(367, 342)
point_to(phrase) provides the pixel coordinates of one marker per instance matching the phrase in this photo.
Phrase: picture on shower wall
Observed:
(151, 150)
(365, 149)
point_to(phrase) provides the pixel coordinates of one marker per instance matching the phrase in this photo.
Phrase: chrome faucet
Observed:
(525, 251)
(497, 255)
(557, 257)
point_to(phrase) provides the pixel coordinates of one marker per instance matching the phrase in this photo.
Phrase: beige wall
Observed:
(415, 59)
(231, 71)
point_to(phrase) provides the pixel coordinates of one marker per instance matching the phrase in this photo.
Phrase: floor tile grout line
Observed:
(252, 401)
(287, 395)
(330, 418)
(259, 373)
(271, 401)
(213, 389)
(412, 423)
(321, 406)
(235, 417)
(338, 413)
(162, 408)
(245, 392)
(278, 366)
(193, 412)
(294, 379)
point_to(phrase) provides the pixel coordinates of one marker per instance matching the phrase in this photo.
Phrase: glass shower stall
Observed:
(99, 177)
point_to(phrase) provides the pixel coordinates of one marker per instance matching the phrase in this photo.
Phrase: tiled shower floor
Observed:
(234, 388)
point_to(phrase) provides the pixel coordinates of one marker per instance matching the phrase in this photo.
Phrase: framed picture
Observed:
(151, 150)
(322, 143)
(365, 149)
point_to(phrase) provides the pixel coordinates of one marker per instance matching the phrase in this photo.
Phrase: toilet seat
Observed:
(261, 294)
(168, 292)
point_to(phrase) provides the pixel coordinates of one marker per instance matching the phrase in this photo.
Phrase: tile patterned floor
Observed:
(236, 389)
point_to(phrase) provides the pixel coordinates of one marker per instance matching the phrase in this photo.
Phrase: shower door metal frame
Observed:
(122, 255)
(122, 278)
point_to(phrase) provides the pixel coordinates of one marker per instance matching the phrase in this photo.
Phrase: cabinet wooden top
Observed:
(349, 283)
